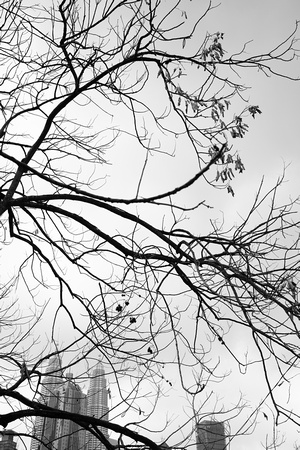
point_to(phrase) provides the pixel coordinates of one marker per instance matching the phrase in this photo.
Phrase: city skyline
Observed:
(61, 392)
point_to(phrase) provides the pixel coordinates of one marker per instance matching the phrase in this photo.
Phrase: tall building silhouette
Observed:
(67, 432)
(210, 435)
(63, 393)
(97, 405)
(45, 428)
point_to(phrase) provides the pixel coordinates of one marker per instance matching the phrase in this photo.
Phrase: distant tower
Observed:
(210, 435)
(67, 432)
(44, 428)
(97, 405)
(8, 442)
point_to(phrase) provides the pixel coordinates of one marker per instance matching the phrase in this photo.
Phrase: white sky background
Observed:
(270, 144)
(272, 140)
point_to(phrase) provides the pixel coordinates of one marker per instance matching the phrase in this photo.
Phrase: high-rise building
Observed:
(97, 405)
(82, 432)
(67, 431)
(7, 442)
(210, 435)
(63, 393)
(44, 428)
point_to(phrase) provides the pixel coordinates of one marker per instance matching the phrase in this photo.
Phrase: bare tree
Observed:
(123, 267)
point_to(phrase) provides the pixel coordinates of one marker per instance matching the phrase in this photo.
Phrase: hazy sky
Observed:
(272, 140)
(271, 144)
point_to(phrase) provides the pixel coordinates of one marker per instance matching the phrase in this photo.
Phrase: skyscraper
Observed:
(67, 432)
(210, 435)
(44, 428)
(97, 405)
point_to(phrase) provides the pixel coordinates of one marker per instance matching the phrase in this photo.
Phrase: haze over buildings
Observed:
(63, 393)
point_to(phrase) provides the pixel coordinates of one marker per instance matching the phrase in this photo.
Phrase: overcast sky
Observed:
(270, 145)
(272, 140)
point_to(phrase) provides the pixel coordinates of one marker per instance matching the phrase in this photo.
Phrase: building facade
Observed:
(97, 405)
(63, 393)
(7, 442)
(67, 432)
(210, 435)
(45, 428)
